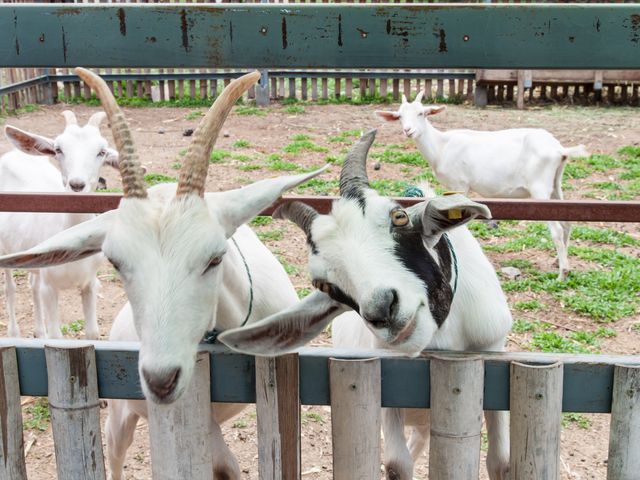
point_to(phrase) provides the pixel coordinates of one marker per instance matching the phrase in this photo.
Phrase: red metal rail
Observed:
(502, 209)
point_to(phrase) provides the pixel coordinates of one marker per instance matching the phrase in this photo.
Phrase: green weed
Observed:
(261, 220)
(578, 419)
(37, 415)
(218, 156)
(156, 178)
(312, 417)
(241, 143)
(193, 115)
(73, 327)
(271, 235)
(303, 292)
(249, 110)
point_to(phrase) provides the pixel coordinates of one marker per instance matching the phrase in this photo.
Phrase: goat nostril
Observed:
(162, 384)
(393, 304)
(77, 186)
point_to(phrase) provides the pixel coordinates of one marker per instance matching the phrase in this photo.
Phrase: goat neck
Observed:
(431, 143)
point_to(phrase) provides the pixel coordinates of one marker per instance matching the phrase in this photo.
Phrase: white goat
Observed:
(513, 163)
(182, 270)
(414, 286)
(80, 152)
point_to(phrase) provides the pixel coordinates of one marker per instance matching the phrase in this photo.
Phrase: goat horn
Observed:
(130, 169)
(196, 163)
(353, 177)
(299, 213)
(70, 117)
(96, 119)
(419, 96)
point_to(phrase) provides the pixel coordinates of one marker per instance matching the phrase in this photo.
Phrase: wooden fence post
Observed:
(456, 418)
(355, 418)
(624, 436)
(181, 433)
(535, 400)
(12, 466)
(278, 409)
(75, 411)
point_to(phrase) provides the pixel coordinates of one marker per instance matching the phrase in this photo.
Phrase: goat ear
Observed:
(112, 158)
(387, 115)
(285, 331)
(433, 109)
(70, 245)
(29, 142)
(236, 207)
(441, 214)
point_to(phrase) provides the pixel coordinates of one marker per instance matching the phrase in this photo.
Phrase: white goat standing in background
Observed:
(513, 163)
(80, 152)
(418, 279)
(187, 264)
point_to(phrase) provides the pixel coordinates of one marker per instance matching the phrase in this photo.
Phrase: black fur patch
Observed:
(411, 251)
(338, 295)
(355, 191)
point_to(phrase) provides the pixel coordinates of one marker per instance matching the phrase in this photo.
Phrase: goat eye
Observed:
(58, 151)
(322, 285)
(102, 153)
(214, 262)
(399, 217)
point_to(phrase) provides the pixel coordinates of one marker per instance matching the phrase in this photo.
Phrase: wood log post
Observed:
(278, 409)
(262, 89)
(520, 97)
(180, 433)
(12, 464)
(75, 411)
(624, 434)
(355, 418)
(481, 97)
(456, 418)
(536, 412)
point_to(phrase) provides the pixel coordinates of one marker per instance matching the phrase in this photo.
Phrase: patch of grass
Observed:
(553, 342)
(577, 419)
(176, 165)
(276, 163)
(346, 136)
(606, 185)
(529, 306)
(288, 267)
(333, 159)
(575, 171)
(319, 186)
(261, 221)
(248, 167)
(630, 151)
(295, 109)
(250, 110)
(388, 187)
(523, 326)
(156, 178)
(37, 415)
(240, 143)
(241, 423)
(28, 108)
(193, 115)
(395, 155)
(312, 417)
(73, 327)
(534, 235)
(636, 327)
(302, 143)
(304, 291)
(271, 235)
(18, 272)
(218, 156)
(604, 236)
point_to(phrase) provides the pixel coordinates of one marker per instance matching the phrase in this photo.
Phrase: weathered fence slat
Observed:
(12, 464)
(536, 408)
(180, 434)
(75, 411)
(278, 409)
(355, 418)
(624, 436)
(456, 418)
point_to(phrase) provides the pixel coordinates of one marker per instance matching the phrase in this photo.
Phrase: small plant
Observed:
(288, 267)
(17, 273)
(156, 178)
(193, 115)
(248, 167)
(73, 327)
(249, 110)
(218, 156)
(302, 143)
(578, 419)
(176, 165)
(295, 109)
(240, 424)
(304, 291)
(312, 417)
(241, 143)
(261, 221)
(528, 305)
(271, 235)
(37, 415)
(346, 136)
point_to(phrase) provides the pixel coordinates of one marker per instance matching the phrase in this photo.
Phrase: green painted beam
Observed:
(600, 36)
(588, 379)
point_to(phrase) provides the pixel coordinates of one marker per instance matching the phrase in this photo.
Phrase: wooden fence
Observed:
(536, 388)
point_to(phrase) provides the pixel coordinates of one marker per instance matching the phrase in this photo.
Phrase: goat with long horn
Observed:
(176, 249)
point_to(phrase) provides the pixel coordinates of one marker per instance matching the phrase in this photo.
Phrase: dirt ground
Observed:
(158, 133)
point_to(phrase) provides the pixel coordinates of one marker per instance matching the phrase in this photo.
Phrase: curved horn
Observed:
(353, 177)
(419, 97)
(96, 119)
(70, 117)
(130, 169)
(196, 162)
(299, 213)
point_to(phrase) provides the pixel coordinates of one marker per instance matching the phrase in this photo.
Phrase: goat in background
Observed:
(80, 152)
(513, 163)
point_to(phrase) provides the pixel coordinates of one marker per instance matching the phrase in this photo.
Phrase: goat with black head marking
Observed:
(416, 276)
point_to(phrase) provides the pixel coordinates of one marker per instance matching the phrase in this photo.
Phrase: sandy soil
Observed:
(158, 132)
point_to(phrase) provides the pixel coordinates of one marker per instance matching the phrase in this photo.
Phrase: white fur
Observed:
(479, 318)
(80, 152)
(512, 163)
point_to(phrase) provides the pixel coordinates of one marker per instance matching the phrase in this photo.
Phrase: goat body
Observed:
(513, 163)
(80, 151)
